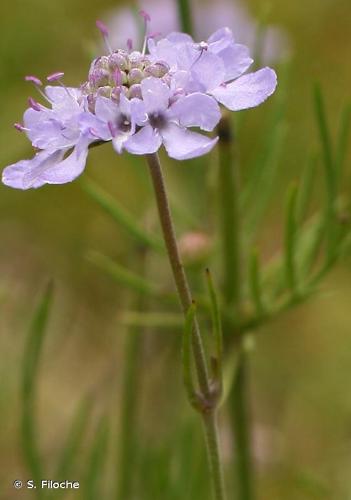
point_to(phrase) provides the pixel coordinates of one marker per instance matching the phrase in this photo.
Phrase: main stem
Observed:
(231, 251)
(209, 418)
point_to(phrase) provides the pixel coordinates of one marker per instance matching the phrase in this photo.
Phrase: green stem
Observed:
(230, 234)
(229, 215)
(240, 419)
(186, 300)
(185, 16)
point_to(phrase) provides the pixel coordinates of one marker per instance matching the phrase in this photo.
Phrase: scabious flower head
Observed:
(138, 101)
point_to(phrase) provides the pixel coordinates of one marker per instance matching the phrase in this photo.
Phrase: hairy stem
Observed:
(209, 416)
(231, 255)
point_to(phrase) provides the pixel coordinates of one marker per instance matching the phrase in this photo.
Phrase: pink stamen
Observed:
(55, 76)
(104, 32)
(130, 44)
(147, 19)
(145, 16)
(117, 76)
(34, 104)
(33, 79)
(19, 127)
(156, 34)
(102, 27)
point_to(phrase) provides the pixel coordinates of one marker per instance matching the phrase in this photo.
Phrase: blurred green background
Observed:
(301, 367)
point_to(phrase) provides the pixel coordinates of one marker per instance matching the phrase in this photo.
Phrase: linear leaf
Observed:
(121, 216)
(122, 275)
(29, 431)
(186, 355)
(306, 187)
(216, 317)
(342, 143)
(73, 443)
(255, 284)
(290, 240)
(94, 478)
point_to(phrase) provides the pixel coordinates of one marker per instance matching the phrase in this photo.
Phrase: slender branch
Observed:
(208, 413)
(177, 267)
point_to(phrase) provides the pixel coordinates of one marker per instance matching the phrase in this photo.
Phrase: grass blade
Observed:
(342, 143)
(121, 216)
(94, 479)
(290, 242)
(255, 284)
(29, 434)
(68, 458)
(122, 275)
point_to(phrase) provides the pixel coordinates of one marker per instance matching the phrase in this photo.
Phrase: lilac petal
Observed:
(89, 124)
(208, 70)
(177, 37)
(197, 110)
(183, 144)
(155, 94)
(146, 141)
(15, 175)
(106, 110)
(61, 96)
(236, 59)
(68, 169)
(220, 37)
(247, 91)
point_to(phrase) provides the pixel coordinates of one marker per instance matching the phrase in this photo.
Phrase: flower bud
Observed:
(135, 76)
(158, 69)
(99, 77)
(194, 247)
(104, 91)
(135, 91)
(118, 60)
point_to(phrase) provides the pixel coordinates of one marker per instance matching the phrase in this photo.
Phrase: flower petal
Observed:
(26, 174)
(247, 91)
(236, 59)
(208, 70)
(183, 144)
(197, 110)
(68, 169)
(146, 141)
(155, 94)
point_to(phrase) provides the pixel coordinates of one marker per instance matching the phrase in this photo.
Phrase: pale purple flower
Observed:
(138, 101)
(55, 132)
(164, 122)
(208, 16)
(215, 67)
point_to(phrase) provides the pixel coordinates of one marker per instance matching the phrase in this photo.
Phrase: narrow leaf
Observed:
(306, 187)
(255, 284)
(121, 216)
(186, 355)
(290, 240)
(152, 320)
(342, 143)
(69, 455)
(94, 478)
(216, 317)
(122, 275)
(29, 434)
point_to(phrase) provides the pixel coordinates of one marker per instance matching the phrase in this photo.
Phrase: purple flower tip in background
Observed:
(138, 101)
(271, 43)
